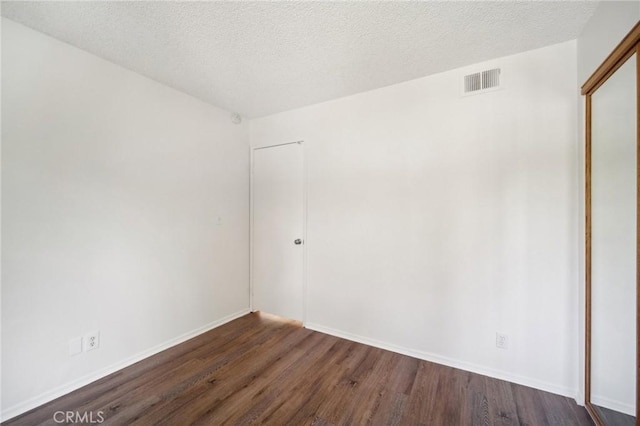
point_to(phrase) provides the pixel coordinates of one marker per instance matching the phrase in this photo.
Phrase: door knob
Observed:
(298, 241)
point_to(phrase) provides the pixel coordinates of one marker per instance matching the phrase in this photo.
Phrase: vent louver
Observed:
(481, 81)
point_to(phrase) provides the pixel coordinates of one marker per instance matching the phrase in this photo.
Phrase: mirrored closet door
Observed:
(612, 139)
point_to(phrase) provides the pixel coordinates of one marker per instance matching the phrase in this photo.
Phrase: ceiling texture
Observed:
(260, 58)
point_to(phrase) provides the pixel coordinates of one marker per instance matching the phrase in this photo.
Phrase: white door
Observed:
(278, 225)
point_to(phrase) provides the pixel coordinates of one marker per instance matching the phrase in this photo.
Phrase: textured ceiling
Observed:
(258, 58)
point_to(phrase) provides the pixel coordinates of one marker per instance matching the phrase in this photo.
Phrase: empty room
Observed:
(319, 212)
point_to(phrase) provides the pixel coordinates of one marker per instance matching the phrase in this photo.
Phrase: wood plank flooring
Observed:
(260, 369)
(614, 418)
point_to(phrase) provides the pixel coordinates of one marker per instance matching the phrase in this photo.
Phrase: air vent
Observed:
(482, 81)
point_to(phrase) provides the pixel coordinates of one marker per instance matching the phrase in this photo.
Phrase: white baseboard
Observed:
(614, 405)
(450, 362)
(59, 391)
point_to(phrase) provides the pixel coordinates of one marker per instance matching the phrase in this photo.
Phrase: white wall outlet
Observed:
(75, 346)
(92, 341)
(502, 341)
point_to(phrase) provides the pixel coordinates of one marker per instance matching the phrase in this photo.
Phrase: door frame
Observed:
(629, 46)
(304, 227)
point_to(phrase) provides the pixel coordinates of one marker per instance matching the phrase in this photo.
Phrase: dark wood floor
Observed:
(614, 418)
(260, 369)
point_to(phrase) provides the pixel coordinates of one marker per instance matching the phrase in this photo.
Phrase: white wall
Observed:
(435, 220)
(125, 210)
(611, 21)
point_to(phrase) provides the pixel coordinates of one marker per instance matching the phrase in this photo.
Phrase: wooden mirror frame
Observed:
(625, 49)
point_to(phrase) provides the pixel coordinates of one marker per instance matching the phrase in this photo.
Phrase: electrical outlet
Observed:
(75, 346)
(502, 341)
(92, 341)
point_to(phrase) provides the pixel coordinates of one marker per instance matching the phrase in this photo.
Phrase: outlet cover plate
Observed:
(502, 341)
(92, 341)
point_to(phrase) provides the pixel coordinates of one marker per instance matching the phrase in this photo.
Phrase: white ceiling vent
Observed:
(483, 81)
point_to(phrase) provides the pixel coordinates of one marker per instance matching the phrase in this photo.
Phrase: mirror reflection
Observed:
(613, 247)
